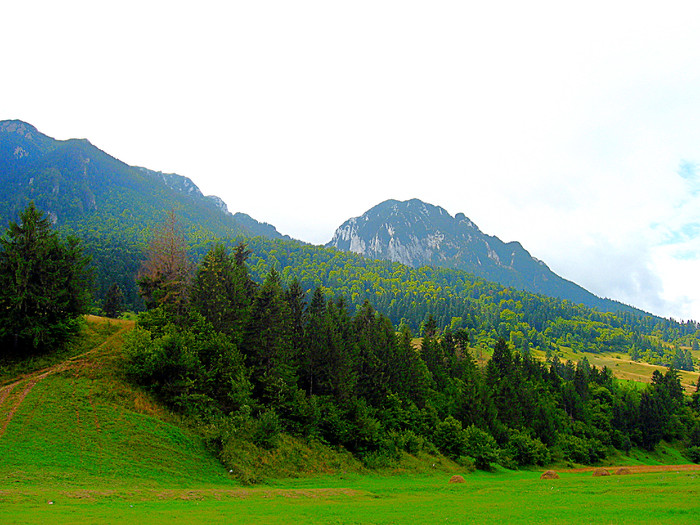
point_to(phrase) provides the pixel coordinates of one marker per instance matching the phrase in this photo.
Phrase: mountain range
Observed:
(83, 189)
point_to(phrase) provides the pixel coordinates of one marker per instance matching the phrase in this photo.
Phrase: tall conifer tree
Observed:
(44, 285)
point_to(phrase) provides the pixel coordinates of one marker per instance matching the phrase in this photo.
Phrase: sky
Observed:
(571, 127)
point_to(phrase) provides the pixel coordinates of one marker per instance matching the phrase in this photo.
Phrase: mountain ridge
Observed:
(84, 189)
(416, 233)
(73, 181)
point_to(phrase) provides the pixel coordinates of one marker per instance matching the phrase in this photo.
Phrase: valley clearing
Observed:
(78, 444)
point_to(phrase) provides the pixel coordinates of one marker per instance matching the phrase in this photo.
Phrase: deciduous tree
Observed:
(167, 271)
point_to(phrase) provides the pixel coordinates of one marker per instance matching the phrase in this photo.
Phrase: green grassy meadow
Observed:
(80, 445)
(510, 497)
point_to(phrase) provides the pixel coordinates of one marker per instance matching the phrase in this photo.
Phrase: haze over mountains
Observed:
(83, 188)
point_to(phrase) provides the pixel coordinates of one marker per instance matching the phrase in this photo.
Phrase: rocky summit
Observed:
(416, 234)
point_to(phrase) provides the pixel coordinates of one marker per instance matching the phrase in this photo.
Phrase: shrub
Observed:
(525, 450)
(466, 463)
(581, 450)
(481, 446)
(621, 441)
(574, 448)
(193, 368)
(693, 454)
(266, 430)
(449, 438)
(413, 443)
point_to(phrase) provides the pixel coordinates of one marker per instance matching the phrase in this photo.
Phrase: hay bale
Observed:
(549, 474)
(601, 472)
(456, 479)
(623, 471)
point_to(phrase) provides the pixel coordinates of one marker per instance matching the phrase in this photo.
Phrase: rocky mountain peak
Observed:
(416, 233)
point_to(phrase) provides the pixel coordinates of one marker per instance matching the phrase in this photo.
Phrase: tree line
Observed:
(257, 359)
(455, 299)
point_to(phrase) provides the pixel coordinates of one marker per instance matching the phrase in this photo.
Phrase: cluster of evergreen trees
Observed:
(254, 360)
(45, 286)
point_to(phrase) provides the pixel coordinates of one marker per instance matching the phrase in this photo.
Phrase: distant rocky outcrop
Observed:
(416, 234)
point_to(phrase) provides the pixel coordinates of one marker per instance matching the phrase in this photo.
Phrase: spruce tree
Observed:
(114, 301)
(315, 345)
(221, 292)
(44, 285)
(267, 344)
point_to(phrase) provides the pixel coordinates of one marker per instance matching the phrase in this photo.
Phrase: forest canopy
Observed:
(255, 360)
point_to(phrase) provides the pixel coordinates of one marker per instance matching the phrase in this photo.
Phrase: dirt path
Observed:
(9, 402)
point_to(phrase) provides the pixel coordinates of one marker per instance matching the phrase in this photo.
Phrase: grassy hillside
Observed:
(76, 423)
(72, 420)
(625, 369)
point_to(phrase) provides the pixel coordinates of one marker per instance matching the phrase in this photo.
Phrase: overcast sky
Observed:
(573, 129)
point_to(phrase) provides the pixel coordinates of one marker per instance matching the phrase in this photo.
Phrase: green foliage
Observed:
(481, 446)
(114, 300)
(221, 290)
(487, 310)
(580, 449)
(194, 368)
(693, 454)
(524, 450)
(267, 430)
(450, 438)
(317, 370)
(44, 286)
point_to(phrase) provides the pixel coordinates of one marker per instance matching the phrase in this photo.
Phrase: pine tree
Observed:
(114, 300)
(340, 373)
(295, 298)
(44, 285)
(375, 344)
(316, 344)
(408, 374)
(651, 420)
(267, 344)
(222, 292)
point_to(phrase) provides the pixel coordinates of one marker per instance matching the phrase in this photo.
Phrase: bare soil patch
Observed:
(638, 469)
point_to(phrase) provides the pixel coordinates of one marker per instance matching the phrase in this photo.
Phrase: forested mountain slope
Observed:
(83, 188)
(110, 205)
(259, 358)
(417, 234)
(459, 300)
(114, 208)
